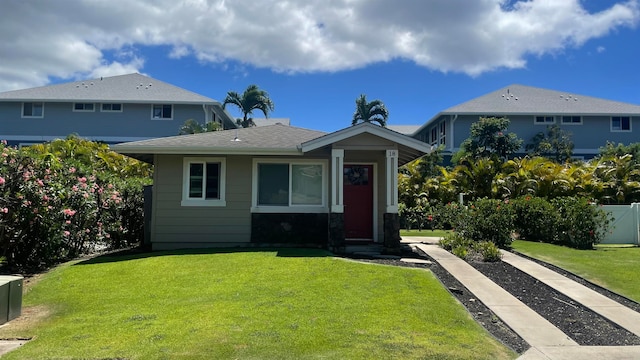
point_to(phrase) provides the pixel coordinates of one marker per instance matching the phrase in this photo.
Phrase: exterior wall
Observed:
(588, 137)
(60, 120)
(176, 226)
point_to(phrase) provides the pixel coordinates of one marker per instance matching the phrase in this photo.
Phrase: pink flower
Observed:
(107, 236)
(5, 210)
(87, 231)
(4, 142)
(74, 188)
(66, 233)
(45, 198)
(40, 183)
(68, 222)
(82, 179)
(72, 169)
(2, 180)
(69, 212)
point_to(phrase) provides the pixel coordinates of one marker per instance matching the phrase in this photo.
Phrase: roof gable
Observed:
(130, 88)
(520, 99)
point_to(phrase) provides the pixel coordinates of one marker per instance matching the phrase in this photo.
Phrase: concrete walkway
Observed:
(547, 342)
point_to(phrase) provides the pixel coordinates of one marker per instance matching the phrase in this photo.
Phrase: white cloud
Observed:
(71, 38)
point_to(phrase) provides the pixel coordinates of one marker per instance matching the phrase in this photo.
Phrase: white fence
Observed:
(626, 224)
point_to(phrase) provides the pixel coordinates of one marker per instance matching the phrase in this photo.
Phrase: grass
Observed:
(424, 232)
(613, 267)
(286, 304)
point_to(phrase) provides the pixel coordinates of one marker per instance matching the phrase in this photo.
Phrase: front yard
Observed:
(286, 304)
(615, 268)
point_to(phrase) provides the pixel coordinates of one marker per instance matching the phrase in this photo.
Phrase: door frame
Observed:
(375, 193)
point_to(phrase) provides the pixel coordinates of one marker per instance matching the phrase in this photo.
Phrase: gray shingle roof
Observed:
(519, 99)
(404, 129)
(254, 140)
(130, 88)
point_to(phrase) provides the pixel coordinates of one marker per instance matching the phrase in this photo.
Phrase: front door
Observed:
(358, 201)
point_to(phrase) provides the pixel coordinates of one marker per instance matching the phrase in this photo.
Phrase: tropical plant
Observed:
(373, 111)
(556, 144)
(620, 179)
(489, 138)
(253, 98)
(191, 126)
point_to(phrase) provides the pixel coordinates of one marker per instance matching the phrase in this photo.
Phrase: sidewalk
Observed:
(546, 341)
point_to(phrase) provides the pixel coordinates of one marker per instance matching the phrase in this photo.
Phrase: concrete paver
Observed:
(547, 342)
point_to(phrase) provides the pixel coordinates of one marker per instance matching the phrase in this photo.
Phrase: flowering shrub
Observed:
(54, 208)
(536, 219)
(487, 220)
(582, 223)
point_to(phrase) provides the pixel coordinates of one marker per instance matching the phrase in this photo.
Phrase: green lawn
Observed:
(615, 268)
(286, 304)
(423, 232)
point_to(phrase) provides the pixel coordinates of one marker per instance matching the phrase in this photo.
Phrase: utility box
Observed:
(10, 297)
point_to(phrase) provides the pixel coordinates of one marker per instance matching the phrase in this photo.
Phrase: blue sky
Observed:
(418, 57)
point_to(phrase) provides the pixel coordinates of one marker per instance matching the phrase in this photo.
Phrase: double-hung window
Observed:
(620, 123)
(32, 110)
(298, 186)
(83, 107)
(203, 182)
(162, 111)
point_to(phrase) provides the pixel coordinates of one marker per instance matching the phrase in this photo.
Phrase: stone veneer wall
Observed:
(391, 231)
(337, 241)
(294, 229)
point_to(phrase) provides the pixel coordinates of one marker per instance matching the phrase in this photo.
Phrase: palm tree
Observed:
(253, 98)
(374, 111)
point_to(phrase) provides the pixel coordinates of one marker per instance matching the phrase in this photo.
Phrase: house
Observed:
(591, 121)
(109, 109)
(276, 184)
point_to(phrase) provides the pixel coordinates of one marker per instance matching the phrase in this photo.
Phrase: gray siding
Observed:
(60, 120)
(176, 226)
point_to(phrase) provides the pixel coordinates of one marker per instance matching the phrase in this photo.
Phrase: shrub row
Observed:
(569, 221)
(53, 209)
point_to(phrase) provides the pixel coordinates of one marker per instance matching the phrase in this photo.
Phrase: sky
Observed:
(315, 57)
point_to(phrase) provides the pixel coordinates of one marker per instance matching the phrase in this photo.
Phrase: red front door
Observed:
(358, 201)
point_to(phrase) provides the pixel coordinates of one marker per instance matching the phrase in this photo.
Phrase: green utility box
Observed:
(10, 297)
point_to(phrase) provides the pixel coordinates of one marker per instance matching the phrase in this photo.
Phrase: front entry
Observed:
(358, 202)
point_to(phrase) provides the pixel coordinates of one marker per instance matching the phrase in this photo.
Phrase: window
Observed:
(544, 120)
(620, 123)
(576, 120)
(296, 185)
(32, 110)
(83, 107)
(443, 132)
(163, 112)
(111, 108)
(204, 182)
(434, 136)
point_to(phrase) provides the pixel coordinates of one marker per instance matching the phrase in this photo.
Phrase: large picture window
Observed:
(32, 110)
(204, 182)
(296, 185)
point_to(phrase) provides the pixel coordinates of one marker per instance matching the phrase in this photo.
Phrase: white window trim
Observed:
(22, 115)
(544, 123)
(161, 118)
(322, 208)
(73, 107)
(621, 130)
(186, 201)
(116, 111)
(571, 123)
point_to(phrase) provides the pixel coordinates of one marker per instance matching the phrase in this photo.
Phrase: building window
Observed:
(620, 123)
(32, 110)
(434, 136)
(203, 182)
(111, 108)
(544, 120)
(443, 133)
(574, 120)
(162, 112)
(83, 107)
(297, 186)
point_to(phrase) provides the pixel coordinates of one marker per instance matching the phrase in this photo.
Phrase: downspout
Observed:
(453, 120)
(204, 108)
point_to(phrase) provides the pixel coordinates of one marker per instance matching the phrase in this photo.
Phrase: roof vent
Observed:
(236, 137)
